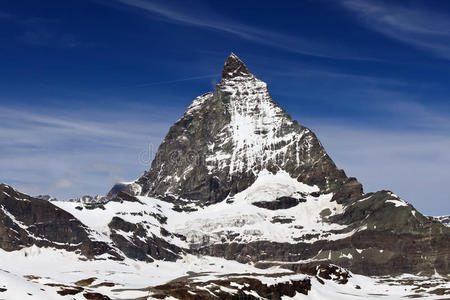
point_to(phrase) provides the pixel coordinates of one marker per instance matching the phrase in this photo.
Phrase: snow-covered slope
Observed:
(257, 124)
(243, 217)
(25, 274)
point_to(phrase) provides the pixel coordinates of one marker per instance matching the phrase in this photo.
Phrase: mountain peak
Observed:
(227, 137)
(234, 67)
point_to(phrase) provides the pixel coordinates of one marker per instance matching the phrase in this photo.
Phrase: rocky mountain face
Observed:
(237, 178)
(227, 137)
(27, 221)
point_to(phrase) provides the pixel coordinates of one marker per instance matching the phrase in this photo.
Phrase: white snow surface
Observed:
(235, 215)
(213, 223)
(397, 202)
(207, 225)
(25, 274)
(68, 268)
(134, 212)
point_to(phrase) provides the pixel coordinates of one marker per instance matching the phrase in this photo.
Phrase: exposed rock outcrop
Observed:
(27, 221)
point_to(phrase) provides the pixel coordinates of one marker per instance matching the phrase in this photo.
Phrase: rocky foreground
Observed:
(43, 273)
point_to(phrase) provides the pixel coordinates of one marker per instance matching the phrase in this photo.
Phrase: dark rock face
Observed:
(282, 220)
(118, 187)
(225, 288)
(127, 187)
(234, 67)
(327, 272)
(30, 221)
(138, 245)
(249, 286)
(280, 203)
(227, 137)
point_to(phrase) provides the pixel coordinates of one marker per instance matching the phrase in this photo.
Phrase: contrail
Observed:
(172, 81)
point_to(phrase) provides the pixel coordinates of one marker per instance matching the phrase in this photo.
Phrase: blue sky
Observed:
(88, 89)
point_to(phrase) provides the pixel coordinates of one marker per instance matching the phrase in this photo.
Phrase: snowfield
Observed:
(235, 215)
(238, 214)
(40, 273)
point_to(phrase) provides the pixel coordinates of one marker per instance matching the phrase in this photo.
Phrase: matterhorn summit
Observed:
(234, 67)
(227, 137)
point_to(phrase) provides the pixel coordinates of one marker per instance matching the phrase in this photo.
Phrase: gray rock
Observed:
(27, 221)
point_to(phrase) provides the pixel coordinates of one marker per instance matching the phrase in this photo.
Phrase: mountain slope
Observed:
(115, 228)
(27, 221)
(25, 274)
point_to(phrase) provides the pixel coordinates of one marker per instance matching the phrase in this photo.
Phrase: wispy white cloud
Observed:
(418, 116)
(113, 172)
(335, 75)
(191, 78)
(24, 127)
(63, 183)
(70, 154)
(210, 20)
(417, 26)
